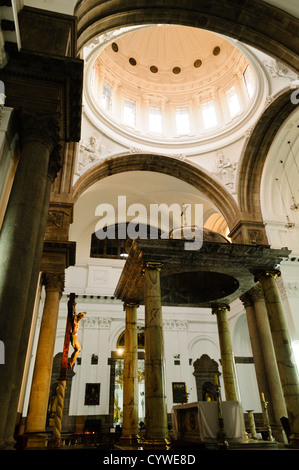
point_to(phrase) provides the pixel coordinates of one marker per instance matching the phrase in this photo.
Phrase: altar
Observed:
(198, 422)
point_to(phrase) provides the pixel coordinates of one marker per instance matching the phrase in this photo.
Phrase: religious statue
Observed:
(74, 336)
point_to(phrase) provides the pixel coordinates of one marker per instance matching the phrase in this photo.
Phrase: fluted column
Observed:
(18, 241)
(156, 429)
(283, 350)
(130, 384)
(227, 357)
(39, 396)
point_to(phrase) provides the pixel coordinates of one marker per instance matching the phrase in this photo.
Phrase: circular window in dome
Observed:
(197, 63)
(153, 69)
(132, 61)
(176, 70)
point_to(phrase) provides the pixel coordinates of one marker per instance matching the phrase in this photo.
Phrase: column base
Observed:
(37, 440)
(130, 439)
(294, 441)
(148, 443)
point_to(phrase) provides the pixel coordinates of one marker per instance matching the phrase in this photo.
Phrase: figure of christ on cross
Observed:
(74, 336)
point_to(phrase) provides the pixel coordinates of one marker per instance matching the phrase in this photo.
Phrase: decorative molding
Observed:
(96, 322)
(175, 325)
(55, 218)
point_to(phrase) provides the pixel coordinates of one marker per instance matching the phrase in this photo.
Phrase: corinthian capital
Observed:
(43, 128)
(54, 281)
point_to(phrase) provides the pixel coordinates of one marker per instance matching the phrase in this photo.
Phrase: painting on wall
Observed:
(92, 394)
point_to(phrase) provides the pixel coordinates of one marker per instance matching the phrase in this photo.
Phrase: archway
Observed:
(231, 18)
(255, 154)
(187, 172)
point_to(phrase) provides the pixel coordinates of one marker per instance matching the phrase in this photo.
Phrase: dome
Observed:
(171, 84)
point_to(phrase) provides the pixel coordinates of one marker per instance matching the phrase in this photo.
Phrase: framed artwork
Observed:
(92, 394)
(179, 392)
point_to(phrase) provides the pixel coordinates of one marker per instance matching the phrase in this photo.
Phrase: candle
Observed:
(263, 398)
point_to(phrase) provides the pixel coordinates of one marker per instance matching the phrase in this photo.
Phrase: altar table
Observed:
(199, 422)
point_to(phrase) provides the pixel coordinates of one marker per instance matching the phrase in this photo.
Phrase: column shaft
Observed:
(283, 351)
(257, 350)
(18, 239)
(155, 400)
(227, 358)
(276, 392)
(265, 362)
(38, 403)
(15, 395)
(130, 390)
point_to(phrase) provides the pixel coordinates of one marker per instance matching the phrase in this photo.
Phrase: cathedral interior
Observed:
(149, 224)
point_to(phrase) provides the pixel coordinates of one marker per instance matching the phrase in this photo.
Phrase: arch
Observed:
(253, 22)
(171, 166)
(255, 153)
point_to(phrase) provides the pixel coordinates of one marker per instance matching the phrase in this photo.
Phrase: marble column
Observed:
(283, 350)
(268, 379)
(227, 357)
(256, 346)
(275, 398)
(18, 241)
(39, 395)
(156, 429)
(31, 298)
(130, 384)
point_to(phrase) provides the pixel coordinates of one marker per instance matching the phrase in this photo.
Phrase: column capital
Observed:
(39, 127)
(220, 309)
(264, 274)
(53, 281)
(246, 299)
(255, 294)
(152, 265)
(130, 304)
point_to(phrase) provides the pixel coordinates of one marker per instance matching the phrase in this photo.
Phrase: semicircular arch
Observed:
(253, 22)
(187, 172)
(255, 153)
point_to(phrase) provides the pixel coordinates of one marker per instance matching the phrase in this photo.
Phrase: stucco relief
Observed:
(225, 170)
(91, 151)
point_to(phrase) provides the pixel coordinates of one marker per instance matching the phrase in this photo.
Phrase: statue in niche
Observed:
(74, 336)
